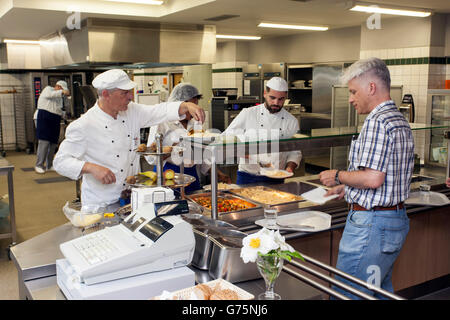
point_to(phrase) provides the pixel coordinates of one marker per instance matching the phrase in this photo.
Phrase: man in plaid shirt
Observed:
(377, 182)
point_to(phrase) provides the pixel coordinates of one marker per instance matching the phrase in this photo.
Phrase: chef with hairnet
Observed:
(171, 133)
(266, 121)
(101, 145)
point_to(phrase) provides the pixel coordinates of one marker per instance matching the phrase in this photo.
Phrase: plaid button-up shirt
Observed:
(385, 144)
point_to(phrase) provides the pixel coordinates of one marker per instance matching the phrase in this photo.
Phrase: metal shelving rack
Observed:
(13, 117)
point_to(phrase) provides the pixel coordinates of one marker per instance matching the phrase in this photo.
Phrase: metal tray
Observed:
(204, 228)
(239, 217)
(179, 180)
(281, 206)
(226, 262)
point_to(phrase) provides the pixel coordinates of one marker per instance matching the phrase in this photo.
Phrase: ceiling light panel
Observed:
(21, 41)
(152, 2)
(292, 26)
(391, 11)
(226, 36)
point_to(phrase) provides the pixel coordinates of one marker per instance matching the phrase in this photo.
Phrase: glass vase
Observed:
(270, 268)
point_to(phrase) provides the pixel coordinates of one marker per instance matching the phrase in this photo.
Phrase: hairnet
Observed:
(183, 92)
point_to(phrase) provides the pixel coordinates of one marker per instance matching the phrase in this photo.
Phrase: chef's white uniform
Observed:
(172, 132)
(258, 119)
(99, 138)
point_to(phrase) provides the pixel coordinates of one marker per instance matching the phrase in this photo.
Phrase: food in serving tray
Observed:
(267, 195)
(224, 204)
(213, 290)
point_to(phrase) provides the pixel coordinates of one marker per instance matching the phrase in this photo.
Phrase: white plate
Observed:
(319, 220)
(317, 196)
(275, 173)
(427, 198)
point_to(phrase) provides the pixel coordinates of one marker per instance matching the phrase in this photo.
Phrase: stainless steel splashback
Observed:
(104, 42)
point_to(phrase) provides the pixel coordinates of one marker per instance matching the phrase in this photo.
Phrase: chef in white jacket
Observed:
(100, 145)
(263, 121)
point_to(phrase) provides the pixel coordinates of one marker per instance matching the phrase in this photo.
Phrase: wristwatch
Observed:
(336, 178)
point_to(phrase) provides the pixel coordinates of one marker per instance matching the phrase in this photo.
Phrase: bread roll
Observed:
(203, 290)
(167, 149)
(131, 180)
(142, 147)
(224, 294)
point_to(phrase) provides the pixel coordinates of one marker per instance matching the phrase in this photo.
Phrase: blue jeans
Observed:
(369, 247)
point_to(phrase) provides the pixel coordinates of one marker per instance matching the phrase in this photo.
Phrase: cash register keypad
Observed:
(95, 248)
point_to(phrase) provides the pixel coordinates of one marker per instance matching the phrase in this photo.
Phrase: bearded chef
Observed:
(268, 120)
(100, 145)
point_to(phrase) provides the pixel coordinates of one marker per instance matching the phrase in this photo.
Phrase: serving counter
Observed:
(35, 260)
(425, 255)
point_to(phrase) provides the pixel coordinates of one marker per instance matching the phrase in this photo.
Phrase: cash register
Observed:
(147, 252)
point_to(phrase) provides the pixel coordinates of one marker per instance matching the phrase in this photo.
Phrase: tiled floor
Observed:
(38, 209)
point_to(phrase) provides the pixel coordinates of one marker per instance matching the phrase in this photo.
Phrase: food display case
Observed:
(218, 150)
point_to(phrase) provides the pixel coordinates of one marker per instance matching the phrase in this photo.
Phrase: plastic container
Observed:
(85, 216)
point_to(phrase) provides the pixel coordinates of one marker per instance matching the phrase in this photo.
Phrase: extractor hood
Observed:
(101, 43)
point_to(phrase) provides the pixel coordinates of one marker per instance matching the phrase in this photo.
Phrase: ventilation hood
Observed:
(103, 43)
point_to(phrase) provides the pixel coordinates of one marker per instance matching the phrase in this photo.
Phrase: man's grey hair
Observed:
(100, 91)
(375, 66)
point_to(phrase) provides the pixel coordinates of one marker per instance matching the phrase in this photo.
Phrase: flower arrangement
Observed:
(268, 249)
(267, 243)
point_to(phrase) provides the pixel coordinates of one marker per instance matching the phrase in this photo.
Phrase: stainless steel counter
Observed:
(7, 169)
(35, 260)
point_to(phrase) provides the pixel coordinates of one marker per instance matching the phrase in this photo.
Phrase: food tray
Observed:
(237, 218)
(319, 220)
(221, 195)
(179, 180)
(218, 284)
(288, 197)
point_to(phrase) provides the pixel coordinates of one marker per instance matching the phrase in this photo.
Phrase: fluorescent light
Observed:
(292, 26)
(21, 41)
(401, 12)
(225, 36)
(154, 2)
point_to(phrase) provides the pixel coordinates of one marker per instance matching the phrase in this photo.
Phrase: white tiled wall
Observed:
(416, 79)
(228, 79)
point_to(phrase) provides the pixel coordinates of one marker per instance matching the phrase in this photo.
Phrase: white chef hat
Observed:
(113, 79)
(63, 84)
(278, 84)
